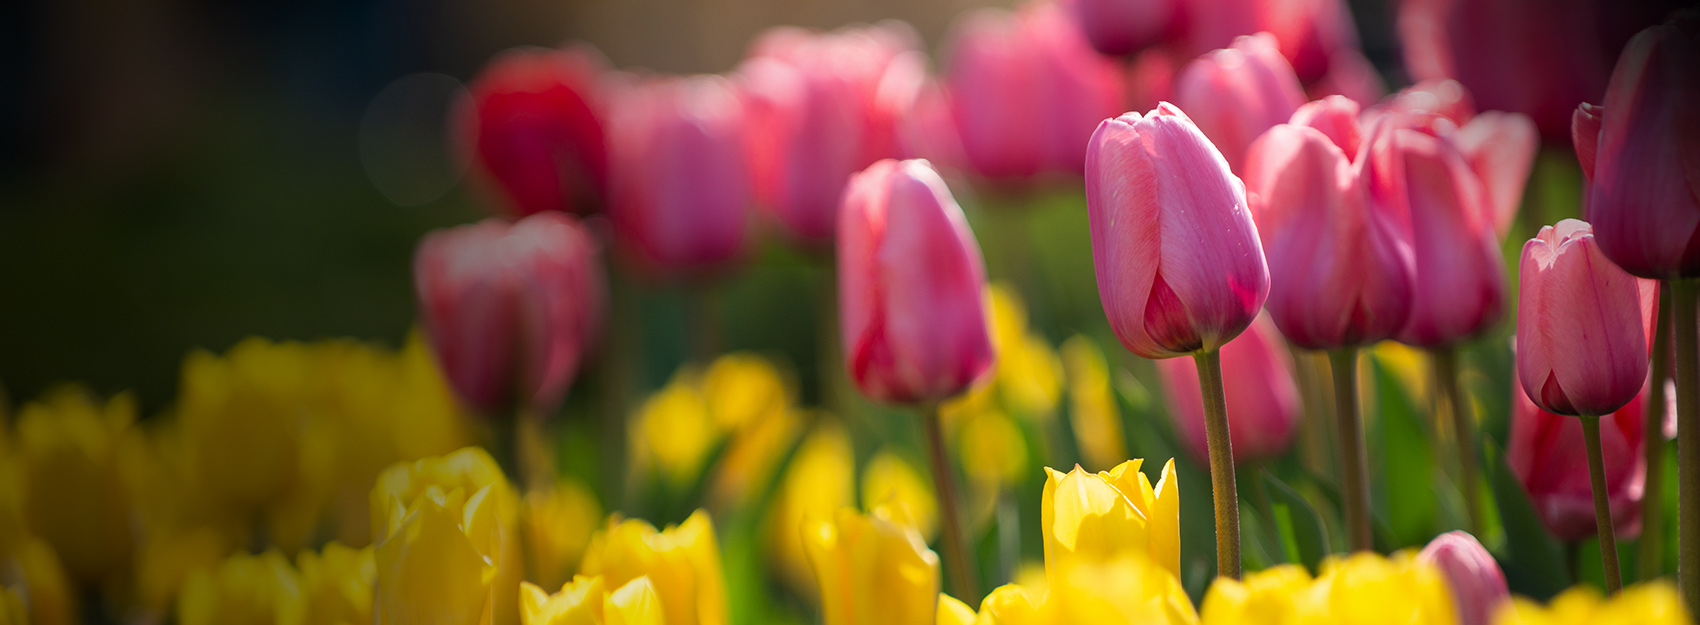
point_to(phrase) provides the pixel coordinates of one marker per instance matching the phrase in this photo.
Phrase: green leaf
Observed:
(1534, 562)
(1300, 526)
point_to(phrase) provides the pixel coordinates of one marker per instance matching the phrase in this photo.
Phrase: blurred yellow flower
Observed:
(585, 601)
(1405, 363)
(1652, 603)
(683, 564)
(673, 432)
(1011, 604)
(1269, 596)
(1100, 517)
(245, 590)
(892, 483)
(954, 612)
(1130, 588)
(820, 479)
(993, 449)
(242, 416)
(12, 607)
(558, 525)
(448, 549)
(181, 528)
(1361, 589)
(872, 570)
(49, 596)
(165, 559)
(336, 583)
(1093, 410)
(74, 495)
(752, 456)
(742, 389)
(1029, 375)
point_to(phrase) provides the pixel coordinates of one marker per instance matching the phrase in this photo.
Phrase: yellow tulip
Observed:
(165, 559)
(673, 432)
(993, 449)
(1270, 596)
(241, 417)
(51, 599)
(1029, 375)
(1127, 589)
(742, 389)
(890, 481)
(585, 601)
(558, 525)
(1012, 604)
(1093, 410)
(74, 495)
(337, 584)
(1361, 589)
(243, 590)
(820, 479)
(1098, 517)
(182, 528)
(12, 607)
(448, 551)
(954, 612)
(1652, 603)
(872, 570)
(751, 458)
(683, 564)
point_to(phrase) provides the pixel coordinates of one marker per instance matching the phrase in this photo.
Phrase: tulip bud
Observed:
(872, 570)
(1585, 135)
(510, 309)
(586, 601)
(680, 197)
(1123, 27)
(1581, 345)
(558, 523)
(1099, 517)
(911, 286)
(1645, 201)
(1236, 93)
(74, 495)
(1263, 401)
(533, 123)
(1547, 455)
(260, 589)
(336, 584)
(1478, 586)
(1179, 266)
(682, 562)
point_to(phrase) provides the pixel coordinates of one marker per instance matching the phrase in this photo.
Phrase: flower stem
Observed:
(1652, 545)
(1687, 439)
(1221, 463)
(1464, 431)
(956, 555)
(1602, 507)
(1354, 466)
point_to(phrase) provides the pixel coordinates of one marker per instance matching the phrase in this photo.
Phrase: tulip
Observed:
(1574, 301)
(1651, 603)
(510, 309)
(875, 63)
(1546, 455)
(682, 562)
(872, 570)
(1236, 93)
(890, 484)
(1011, 604)
(1361, 588)
(74, 497)
(447, 542)
(1123, 27)
(672, 433)
(819, 481)
(954, 612)
(1270, 594)
(1478, 586)
(586, 601)
(532, 121)
(336, 584)
(1263, 400)
(558, 523)
(1128, 589)
(244, 589)
(46, 594)
(680, 195)
(1099, 517)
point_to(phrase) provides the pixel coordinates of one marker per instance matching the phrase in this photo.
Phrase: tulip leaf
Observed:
(1300, 526)
(1404, 465)
(1534, 563)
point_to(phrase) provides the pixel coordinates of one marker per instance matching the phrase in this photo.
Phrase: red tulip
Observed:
(1546, 454)
(1263, 401)
(1340, 266)
(910, 284)
(1179, 266)
(1123, 27)
(1478, 586)
(1581, 335)
(533, 125)
(1236, 93)
(510, 309)
(680, 196)
(1645, 158)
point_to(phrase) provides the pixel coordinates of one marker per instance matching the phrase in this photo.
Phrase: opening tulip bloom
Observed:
(1263, 400)
(1478, 586)
(533, 124)
(1097, 518)
(1236, 93)
(1581, 344)
(872, 570)
(510, 310)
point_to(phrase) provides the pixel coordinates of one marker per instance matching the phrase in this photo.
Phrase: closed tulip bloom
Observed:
(1263, 400)
(1478, 586)
(336, 583)
(1585, 136)
(1340, 266)
(262, 589)
(558, 523)
(1123, 27)
(1179, 266)
(510, 310)
(1546, 454)
(1236, 93)
(680, 196)
(1581, 344)
(533, 122)
(872, 570)
(911, 286)
(74, 497)
(682, 562)
(1645, 200)
(1100, 517)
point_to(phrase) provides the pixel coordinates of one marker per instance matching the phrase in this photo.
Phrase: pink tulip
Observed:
(1478, 586)
(1263, 401)
(804, 140)
(534, 128)
(1236, 93)
(1349, 74)
(1585, 133)
(1581, 336)
(1179, 266)
(680, 197)
(1340, 266)
(910, 281)
(1546, 454)
(510, 309)
(1645, 198)
(1123, 27)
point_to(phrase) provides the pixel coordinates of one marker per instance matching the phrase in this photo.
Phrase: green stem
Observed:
(944, 483)
(1354, 466)
(1464, 431)
(1602, 506)
(1221, 463)
(1652, 557)
(1687, 439)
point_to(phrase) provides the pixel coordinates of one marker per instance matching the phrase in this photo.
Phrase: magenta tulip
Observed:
(533, 124)
(1340, 266)
(1123, 27)
(1180, 269)
(510, 309)
(910, 284)
(1263, 401)
(1478, 585)
(1546, 454)
(1236, 93)
(680, 198)
(1581, 340)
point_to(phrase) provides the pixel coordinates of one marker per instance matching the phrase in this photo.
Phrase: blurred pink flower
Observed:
(1236, 93)
(1263, 401)
(1546, 454)
(532, 123)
